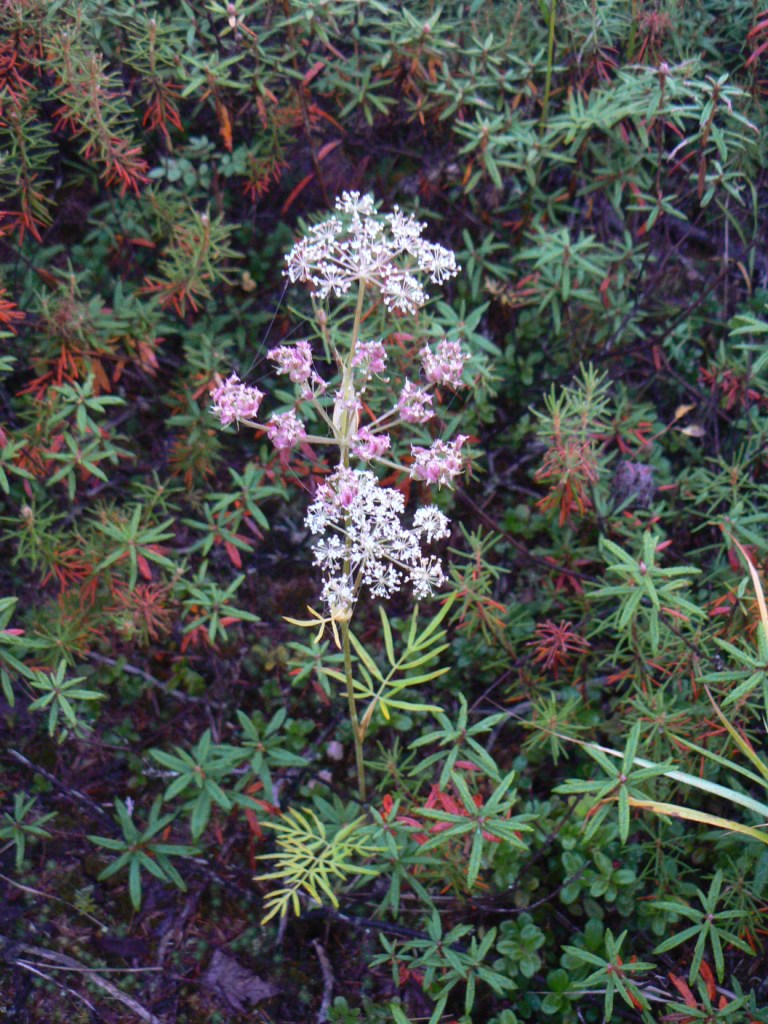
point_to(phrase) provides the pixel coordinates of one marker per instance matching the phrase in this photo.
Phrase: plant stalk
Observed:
(550, 62)
(357, 732)
(345, 429)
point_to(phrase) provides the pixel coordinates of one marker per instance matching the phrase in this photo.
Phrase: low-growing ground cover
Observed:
(383, 488)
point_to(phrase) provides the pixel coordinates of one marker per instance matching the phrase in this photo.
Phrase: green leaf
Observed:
(387, 631)
(365, 658)
(475, 858)
(201, 813)
(134, 884)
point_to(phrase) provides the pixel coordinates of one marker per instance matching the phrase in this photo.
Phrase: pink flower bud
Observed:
(369, 446)
(414, 404)
(371, 356)
(285, 430)
(439, 463)
(234, 401)
(295, 360)
(446, 365)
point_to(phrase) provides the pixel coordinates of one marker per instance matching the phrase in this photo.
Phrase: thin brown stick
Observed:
(328, 982)
(61, 961)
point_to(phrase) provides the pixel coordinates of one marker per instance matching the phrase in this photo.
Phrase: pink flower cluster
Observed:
(445, 366)
(368, 445)
(234, 401)
(285, 430)
(439, 463)
(371, 356)
(295, 360)
(414, 404)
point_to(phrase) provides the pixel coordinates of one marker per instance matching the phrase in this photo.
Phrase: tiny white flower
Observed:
(426, 577)
(432, 523)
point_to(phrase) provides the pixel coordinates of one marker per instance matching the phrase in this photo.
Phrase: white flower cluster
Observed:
(366, 542)
(359, 245)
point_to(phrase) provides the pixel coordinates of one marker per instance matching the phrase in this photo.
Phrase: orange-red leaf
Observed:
(225, 125)
(709, 979)
(313, 72)
(295, 192)
(683, 989)
(234, 554)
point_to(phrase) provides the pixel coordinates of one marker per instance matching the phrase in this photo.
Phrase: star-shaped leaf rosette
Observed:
(363, 537)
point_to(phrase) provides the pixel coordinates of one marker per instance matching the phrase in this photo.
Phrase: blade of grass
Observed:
(755, 583)
(676, 811)
(714, 788)
(718, 759)
(741, 743)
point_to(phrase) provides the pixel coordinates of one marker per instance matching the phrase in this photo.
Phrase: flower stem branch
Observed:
(357, 732)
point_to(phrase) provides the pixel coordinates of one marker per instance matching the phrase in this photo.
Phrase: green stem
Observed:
(345, 433)
(356, 324)
(346, 428)
(550, 62)
(632, 33)
(357, 732)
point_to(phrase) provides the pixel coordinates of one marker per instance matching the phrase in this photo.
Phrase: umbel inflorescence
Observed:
(362, 539)
(358, 246)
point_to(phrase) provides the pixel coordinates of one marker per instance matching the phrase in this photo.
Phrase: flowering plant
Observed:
(361, 539)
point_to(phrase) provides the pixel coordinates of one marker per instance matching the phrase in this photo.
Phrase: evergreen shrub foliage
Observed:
(559, 808)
